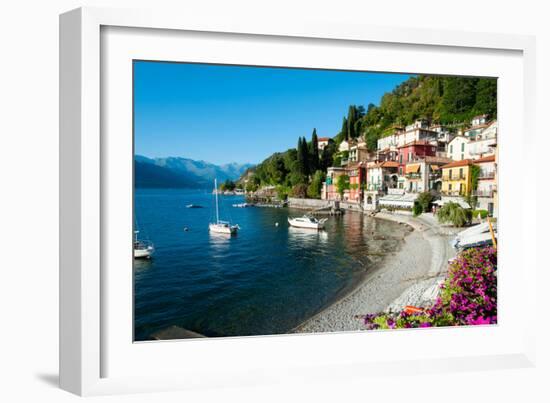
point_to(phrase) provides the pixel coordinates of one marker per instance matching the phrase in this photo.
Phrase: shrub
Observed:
(417, 209)
(467, 297)
(424, 199)
(452, 213)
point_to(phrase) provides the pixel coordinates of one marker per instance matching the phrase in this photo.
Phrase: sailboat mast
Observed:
(216, 190)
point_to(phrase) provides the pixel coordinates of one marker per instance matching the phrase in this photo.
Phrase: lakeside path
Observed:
(410, 276)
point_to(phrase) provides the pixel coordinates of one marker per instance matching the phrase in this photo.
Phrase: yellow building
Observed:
(456, 178)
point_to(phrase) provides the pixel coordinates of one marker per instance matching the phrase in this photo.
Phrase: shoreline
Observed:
(408, 276)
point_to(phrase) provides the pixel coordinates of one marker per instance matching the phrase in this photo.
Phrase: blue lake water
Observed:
(266, 280)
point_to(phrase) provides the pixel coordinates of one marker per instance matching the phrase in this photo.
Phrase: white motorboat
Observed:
(142, 249)
(221, 227)
(307, 222)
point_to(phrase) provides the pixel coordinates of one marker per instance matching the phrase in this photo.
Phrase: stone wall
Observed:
(309, 203)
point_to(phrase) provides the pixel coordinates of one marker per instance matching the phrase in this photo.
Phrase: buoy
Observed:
(276, 224)
(186, 229)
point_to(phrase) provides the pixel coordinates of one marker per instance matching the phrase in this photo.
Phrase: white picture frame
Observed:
(87, 178)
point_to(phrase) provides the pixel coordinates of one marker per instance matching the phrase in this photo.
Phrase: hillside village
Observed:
(419, 158)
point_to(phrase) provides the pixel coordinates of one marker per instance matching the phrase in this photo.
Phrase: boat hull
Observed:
(143, 253)
(308, 225)
(223, 229)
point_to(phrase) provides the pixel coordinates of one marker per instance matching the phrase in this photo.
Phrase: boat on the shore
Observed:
(307, 222)
(221, 227)
(142, 249)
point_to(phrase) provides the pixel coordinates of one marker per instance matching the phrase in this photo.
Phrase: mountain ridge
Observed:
(181, 172)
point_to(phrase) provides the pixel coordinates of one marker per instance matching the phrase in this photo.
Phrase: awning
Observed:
(412, 169)
(434, 167)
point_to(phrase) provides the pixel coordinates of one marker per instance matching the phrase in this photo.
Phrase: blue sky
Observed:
(224, 114)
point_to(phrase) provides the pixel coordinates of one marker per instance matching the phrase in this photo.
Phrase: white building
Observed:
(458, 149)
(344, 146)
(322, 142)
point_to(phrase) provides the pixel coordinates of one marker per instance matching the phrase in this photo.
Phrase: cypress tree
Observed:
(345, 128)
(305, 158)
(351, 122)
(314, 152)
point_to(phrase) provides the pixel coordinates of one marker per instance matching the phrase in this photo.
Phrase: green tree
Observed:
(486, 96)
(342, 184)
(316, 185)
(314, 152)
(327, 155)
(452, 213)
(302, 159)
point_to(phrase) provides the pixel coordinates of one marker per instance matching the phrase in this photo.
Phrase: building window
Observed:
(461, 156)
(462, 147)
(461, 174)
(450, 174)
(451, 148)
(400, 171)
(450, 187)
(400, 158)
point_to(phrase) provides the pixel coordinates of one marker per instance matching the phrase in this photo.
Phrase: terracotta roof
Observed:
(324, 139)
(489, 158)
(437, 160)
(416, 143)
(460, 163)
(389, 164)
(482, 126)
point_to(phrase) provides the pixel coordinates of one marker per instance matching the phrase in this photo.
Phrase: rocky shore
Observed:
(410, 276)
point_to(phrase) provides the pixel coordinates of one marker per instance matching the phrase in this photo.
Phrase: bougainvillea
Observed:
(468, 296)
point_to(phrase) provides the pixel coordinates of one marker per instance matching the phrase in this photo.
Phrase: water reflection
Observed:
(142, 265)
(306, 237)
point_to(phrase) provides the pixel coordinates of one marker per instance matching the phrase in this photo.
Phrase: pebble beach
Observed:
(409, 276)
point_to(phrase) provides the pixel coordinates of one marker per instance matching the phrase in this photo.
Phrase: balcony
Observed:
(413, 176)
(483, 192)
(486, 175)
(452, 193)
(454, 177)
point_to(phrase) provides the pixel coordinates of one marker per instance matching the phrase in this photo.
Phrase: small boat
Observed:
(221, 227)
(193, 206)
(307, 222)
(142, 249)
(243, 205)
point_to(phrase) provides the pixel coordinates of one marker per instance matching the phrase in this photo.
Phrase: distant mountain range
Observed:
(177, 172)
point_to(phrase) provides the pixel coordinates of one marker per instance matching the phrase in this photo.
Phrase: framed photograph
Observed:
(245, 200)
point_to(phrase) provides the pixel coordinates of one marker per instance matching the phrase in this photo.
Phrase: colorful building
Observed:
(382, 176)
(357, 181)
(424, 174)
(456, 178)
(329, 190)
(486, 184)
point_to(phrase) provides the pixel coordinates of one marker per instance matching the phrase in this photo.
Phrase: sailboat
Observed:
(221, 227)
(142, 249)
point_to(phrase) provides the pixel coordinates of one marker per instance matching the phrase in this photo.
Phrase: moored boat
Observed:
(307, 222)
(142, 249)
(221, 227)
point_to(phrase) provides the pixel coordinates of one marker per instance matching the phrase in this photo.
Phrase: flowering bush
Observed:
(467, 297)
